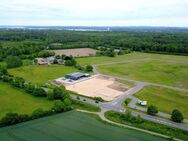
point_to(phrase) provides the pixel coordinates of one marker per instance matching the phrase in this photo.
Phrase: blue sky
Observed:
(94, 12)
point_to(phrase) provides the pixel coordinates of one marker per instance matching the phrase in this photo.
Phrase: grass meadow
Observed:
(71, 126)
(165, 99)
(41, 74)
(14, 100)
(131, 56)
(154, 71)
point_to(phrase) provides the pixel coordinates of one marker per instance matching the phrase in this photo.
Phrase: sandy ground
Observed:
(76, 52)
(106, 88)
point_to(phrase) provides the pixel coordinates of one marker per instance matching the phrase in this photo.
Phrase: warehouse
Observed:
(76, 76)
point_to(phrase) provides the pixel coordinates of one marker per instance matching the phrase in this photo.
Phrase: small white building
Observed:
(142, 103)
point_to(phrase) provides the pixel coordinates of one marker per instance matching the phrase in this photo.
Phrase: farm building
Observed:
(42, 61)
(76, 76)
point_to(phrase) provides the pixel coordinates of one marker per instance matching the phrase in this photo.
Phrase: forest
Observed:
(27, 43)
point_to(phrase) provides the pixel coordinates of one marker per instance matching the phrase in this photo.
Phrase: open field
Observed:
(99, 86)
(41, 74)
(14, 100)
(76, 52)
(71, 126)
(165, 99)
(154, 71)
(131, 56)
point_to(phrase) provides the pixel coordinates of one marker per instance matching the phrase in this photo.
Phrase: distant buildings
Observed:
(48, 61)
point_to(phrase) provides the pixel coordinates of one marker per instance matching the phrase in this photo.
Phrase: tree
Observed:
(38, 113)
(13, 61)
(89, 68)
(177, 116)
(39, 92)
(70, 62)
(30, 88)
(127, 101)
(57, 93)
(46, 53)
(152, 110)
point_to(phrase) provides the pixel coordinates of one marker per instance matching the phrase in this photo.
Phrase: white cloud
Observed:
(94, 12)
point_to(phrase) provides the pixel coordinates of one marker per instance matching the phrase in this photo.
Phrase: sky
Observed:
(94, 12)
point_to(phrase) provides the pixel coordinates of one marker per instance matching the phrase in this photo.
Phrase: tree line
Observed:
(29, 43)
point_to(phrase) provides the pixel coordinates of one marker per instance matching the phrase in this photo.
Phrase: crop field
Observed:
(41, 74)
(76, 52)
(71, 126)
(165, 99)
(154, 71)
(131, 56)
(14, 100)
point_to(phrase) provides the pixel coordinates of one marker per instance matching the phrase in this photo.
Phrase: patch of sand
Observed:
(103, 87)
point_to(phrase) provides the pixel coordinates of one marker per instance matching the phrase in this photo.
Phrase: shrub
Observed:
(152, 110)
(29, 88)
(70, 62)
(39, 92)
(59, 106)
(57, 93)
(37, 113)
(177, 116)
(89, 68)
(46, 53)
(13, 118)
(127, 101)
(98, 99)
(13, 61)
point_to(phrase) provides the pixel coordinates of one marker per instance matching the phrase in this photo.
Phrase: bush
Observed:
(177, 116)
(46, 53)
(37, 114)
(29, 88)
(59, 106)
(127, 101)
(152, 110)
(70, 62)
(98, 99)
(13, 61)
(13, 118)
(89, 68)
(39, 92)
(57, 93)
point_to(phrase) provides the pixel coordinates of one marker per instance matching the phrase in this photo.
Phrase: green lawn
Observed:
(165, 99)
(41, 74)
(14, 100)
(71, 126)
(167, 73)
(136, 55)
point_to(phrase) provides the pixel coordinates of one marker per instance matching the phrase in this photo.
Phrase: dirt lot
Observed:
(76, 52)
(99, 86)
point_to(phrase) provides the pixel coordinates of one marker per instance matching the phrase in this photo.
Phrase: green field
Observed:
(165, 99)
(14, 100)
(131, 56)
(41, 74)
(167, 73)
(71, 126)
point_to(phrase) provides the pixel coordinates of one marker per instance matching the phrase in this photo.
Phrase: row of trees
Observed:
(176, 115)
(62, 98)
(14, 118)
